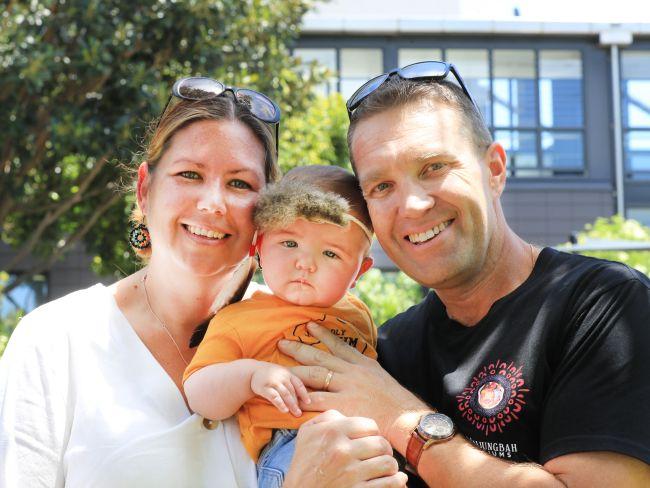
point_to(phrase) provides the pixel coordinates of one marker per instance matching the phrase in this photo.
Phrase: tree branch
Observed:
(42, 135)
(51, 206)
(69, 243)
(52, 216)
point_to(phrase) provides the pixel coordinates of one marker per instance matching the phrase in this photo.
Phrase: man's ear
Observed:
(366, 264)
(142, 188)
(496, 161)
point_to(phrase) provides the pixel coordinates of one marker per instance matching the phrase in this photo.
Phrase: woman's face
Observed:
(199, 199)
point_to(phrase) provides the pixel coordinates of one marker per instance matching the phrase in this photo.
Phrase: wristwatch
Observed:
(432, 428)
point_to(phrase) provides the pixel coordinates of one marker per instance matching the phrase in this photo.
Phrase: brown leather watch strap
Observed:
(414, 449)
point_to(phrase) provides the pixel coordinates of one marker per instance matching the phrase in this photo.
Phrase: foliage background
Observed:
(83, 79)
(618, 228)
(387, 293)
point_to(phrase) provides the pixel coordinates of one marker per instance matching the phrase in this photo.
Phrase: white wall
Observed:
(635, 11)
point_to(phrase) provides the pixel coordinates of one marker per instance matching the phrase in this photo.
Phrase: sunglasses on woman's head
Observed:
(422, 71)
(202, 88)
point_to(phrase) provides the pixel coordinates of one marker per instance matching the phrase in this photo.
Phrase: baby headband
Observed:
(283, 203)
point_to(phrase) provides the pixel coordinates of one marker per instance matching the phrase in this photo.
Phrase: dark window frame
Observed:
(597, 143)
(629, 174)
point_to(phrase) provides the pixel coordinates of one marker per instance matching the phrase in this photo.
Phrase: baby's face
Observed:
(307, 263)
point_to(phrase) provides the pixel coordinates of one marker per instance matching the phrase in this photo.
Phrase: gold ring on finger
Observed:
(328, 380)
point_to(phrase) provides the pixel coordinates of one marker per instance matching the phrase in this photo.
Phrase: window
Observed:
(325, 58)
(514, 103)
(351, 70)
(642, 214)
(357, 67)
(415, 55)
(26, 296)
(474, 67)
(635, 74)
(513, 88)
(531, 99)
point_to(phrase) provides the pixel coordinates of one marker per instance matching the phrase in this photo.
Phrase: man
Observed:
(536, 360)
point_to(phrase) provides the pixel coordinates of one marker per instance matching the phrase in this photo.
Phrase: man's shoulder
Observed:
(594, 274)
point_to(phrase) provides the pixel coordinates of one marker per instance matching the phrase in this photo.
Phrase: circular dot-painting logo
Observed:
(494, 398)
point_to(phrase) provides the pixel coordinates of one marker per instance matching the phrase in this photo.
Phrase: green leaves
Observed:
(614, 229)
(82, 79)
(316, 135)
(387, 293)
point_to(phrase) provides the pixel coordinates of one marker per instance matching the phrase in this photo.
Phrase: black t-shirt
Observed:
(560, 365)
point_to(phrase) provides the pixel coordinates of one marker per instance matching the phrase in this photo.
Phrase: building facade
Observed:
(570, 102)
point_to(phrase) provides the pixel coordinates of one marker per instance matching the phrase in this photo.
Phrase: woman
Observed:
(90, 384)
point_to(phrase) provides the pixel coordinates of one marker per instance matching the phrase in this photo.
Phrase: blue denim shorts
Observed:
(275, 459)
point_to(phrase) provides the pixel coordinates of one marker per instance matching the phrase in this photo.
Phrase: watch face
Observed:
(436, 426)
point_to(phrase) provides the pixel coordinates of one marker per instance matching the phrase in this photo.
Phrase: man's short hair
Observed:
(398, 92)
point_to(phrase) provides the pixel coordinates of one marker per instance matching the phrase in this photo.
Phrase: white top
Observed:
(83, 403)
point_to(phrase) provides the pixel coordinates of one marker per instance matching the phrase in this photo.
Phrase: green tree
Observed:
(8, 321)
(617, 228)
(82, 79)
(387, 293)
(317, 135)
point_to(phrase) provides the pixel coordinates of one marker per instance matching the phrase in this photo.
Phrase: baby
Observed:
(314, 239)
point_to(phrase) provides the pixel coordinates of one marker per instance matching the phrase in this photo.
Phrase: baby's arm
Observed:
(217, 391)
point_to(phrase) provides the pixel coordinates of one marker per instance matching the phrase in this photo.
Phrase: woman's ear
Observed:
(366, 264)
(142, 188)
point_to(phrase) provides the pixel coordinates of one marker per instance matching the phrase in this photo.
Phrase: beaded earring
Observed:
(139, 237)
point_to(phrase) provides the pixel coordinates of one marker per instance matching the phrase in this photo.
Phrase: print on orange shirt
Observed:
(300, 333)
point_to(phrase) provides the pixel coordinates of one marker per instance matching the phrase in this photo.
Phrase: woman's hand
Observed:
(337, 451)
(359, 386)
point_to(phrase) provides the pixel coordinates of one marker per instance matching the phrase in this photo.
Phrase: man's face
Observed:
(431, 198)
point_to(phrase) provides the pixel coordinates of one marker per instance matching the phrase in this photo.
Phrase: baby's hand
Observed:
(279, 386)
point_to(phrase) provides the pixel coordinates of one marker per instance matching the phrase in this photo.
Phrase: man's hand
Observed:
(280, 387)
(337, 451)
(359, 386)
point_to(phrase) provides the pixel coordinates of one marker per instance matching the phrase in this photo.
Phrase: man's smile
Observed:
(420, 237)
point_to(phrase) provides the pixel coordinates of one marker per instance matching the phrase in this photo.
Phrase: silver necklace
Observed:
(162, 324)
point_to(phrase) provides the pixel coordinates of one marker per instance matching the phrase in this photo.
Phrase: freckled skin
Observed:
(200, 181)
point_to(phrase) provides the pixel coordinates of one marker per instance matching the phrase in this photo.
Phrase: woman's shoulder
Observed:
(74, 303)
(63, 315)
(40, 347)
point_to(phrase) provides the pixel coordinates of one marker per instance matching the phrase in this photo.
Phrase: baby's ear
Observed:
(255, 247)
(366, 264)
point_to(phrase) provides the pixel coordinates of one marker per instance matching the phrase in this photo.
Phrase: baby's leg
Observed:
(275, 459)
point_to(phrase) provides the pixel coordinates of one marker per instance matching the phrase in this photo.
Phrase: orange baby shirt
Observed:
(251, 329)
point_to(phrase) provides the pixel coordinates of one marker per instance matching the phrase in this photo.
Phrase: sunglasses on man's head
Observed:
(202, 88)
(422, 71)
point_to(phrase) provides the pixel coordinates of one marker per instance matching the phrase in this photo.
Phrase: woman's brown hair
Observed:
(185, 112)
